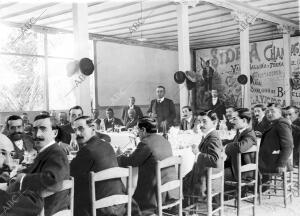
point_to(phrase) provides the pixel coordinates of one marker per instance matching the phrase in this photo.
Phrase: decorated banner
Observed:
(266, 69)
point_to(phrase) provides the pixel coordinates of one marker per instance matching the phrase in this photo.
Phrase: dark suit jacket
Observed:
(148, 151)
(278, 137)
(137, 109)
(261, 126)
(103, 137)
(165, 112)
(185, 125)
(95, 156)
(218, 108)
(65, 132)
(111, 124)
(49, 169)
(27, 203)
(210, 156)
(241, 143)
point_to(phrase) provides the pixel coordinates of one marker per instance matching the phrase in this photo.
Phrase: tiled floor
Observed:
(271, 207)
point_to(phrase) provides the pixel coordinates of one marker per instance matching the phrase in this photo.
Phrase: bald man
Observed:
(26, 203)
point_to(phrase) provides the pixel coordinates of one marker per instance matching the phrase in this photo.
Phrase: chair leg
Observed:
(275, 185)
(298, 183)
(259, 188)
(284, 188)
(239, 200)
(291, 186)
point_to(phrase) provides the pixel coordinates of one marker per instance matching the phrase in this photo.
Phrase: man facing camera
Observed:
(260, 123)
(95, 155)
(26, 203)
(163, 110)
(131, 120)
(188, 119)
(276, 143)
(131, 105)
(110, 122)
(49, 169)
(244, 140)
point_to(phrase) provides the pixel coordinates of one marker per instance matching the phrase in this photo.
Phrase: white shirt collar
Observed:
(241, 130)
(161, 100)
(260, 119)
(214, 101)
(208, 132)
(189, 119)
(46, 146)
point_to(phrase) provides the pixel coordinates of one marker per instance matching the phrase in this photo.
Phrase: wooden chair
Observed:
(278, 181)
(66, 185)
(194, 208)
(168, 186)
(297, 175)
(117, 199)
(242, 184)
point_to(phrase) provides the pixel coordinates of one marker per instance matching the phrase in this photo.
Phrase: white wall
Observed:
(126, 70)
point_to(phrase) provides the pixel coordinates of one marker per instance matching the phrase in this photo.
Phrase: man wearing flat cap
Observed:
(27, 203)
(163, 110)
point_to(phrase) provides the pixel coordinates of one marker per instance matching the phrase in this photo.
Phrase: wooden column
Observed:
(184, 56)
(81, 38)
(244, 20)
(286, 31)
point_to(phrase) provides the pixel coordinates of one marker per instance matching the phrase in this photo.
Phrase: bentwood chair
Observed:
(247, 180)
(168, 186)
(196, 208)
(117, 199)
(66, 185)
(278, 182)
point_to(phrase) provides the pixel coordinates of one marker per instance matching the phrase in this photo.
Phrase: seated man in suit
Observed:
(276, 143)
(110, 122)
(49, 169)
(244, 140)
(260, 123)
(62, 119)
(95, 155)
(27, 203)
(67, 130)
(188, 119)
(292, 114)
(208, 154)
(131, 105)
(131, 120)
(152, 148)
(163, 110)
(21, 141)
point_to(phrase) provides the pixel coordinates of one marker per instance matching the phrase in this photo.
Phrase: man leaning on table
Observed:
(95, 155)
(243, 140)
(49, 169)
(27, 203)
(208, 154)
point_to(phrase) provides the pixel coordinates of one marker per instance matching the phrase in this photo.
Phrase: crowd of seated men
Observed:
(52, 139)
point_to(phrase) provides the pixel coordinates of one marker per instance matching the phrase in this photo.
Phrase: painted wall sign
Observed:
(266, 68)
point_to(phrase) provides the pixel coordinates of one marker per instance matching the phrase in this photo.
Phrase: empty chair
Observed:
(117, 199)
(168, 186)
(247, 179)
(195, 207)
(66, 185)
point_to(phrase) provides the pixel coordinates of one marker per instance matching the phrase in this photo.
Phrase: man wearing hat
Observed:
(163, 110)
(27, 203)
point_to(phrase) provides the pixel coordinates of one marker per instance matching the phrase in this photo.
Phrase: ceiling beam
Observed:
(234, 5)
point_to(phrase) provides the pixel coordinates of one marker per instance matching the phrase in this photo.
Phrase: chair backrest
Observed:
(210, 178)
(171, 185)
(111, 173)
(66, 185)
(250, 166)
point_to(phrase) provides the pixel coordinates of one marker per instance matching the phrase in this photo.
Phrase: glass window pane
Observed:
(60, 85)
(12, 40)
(61, 45)
(21, 83)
